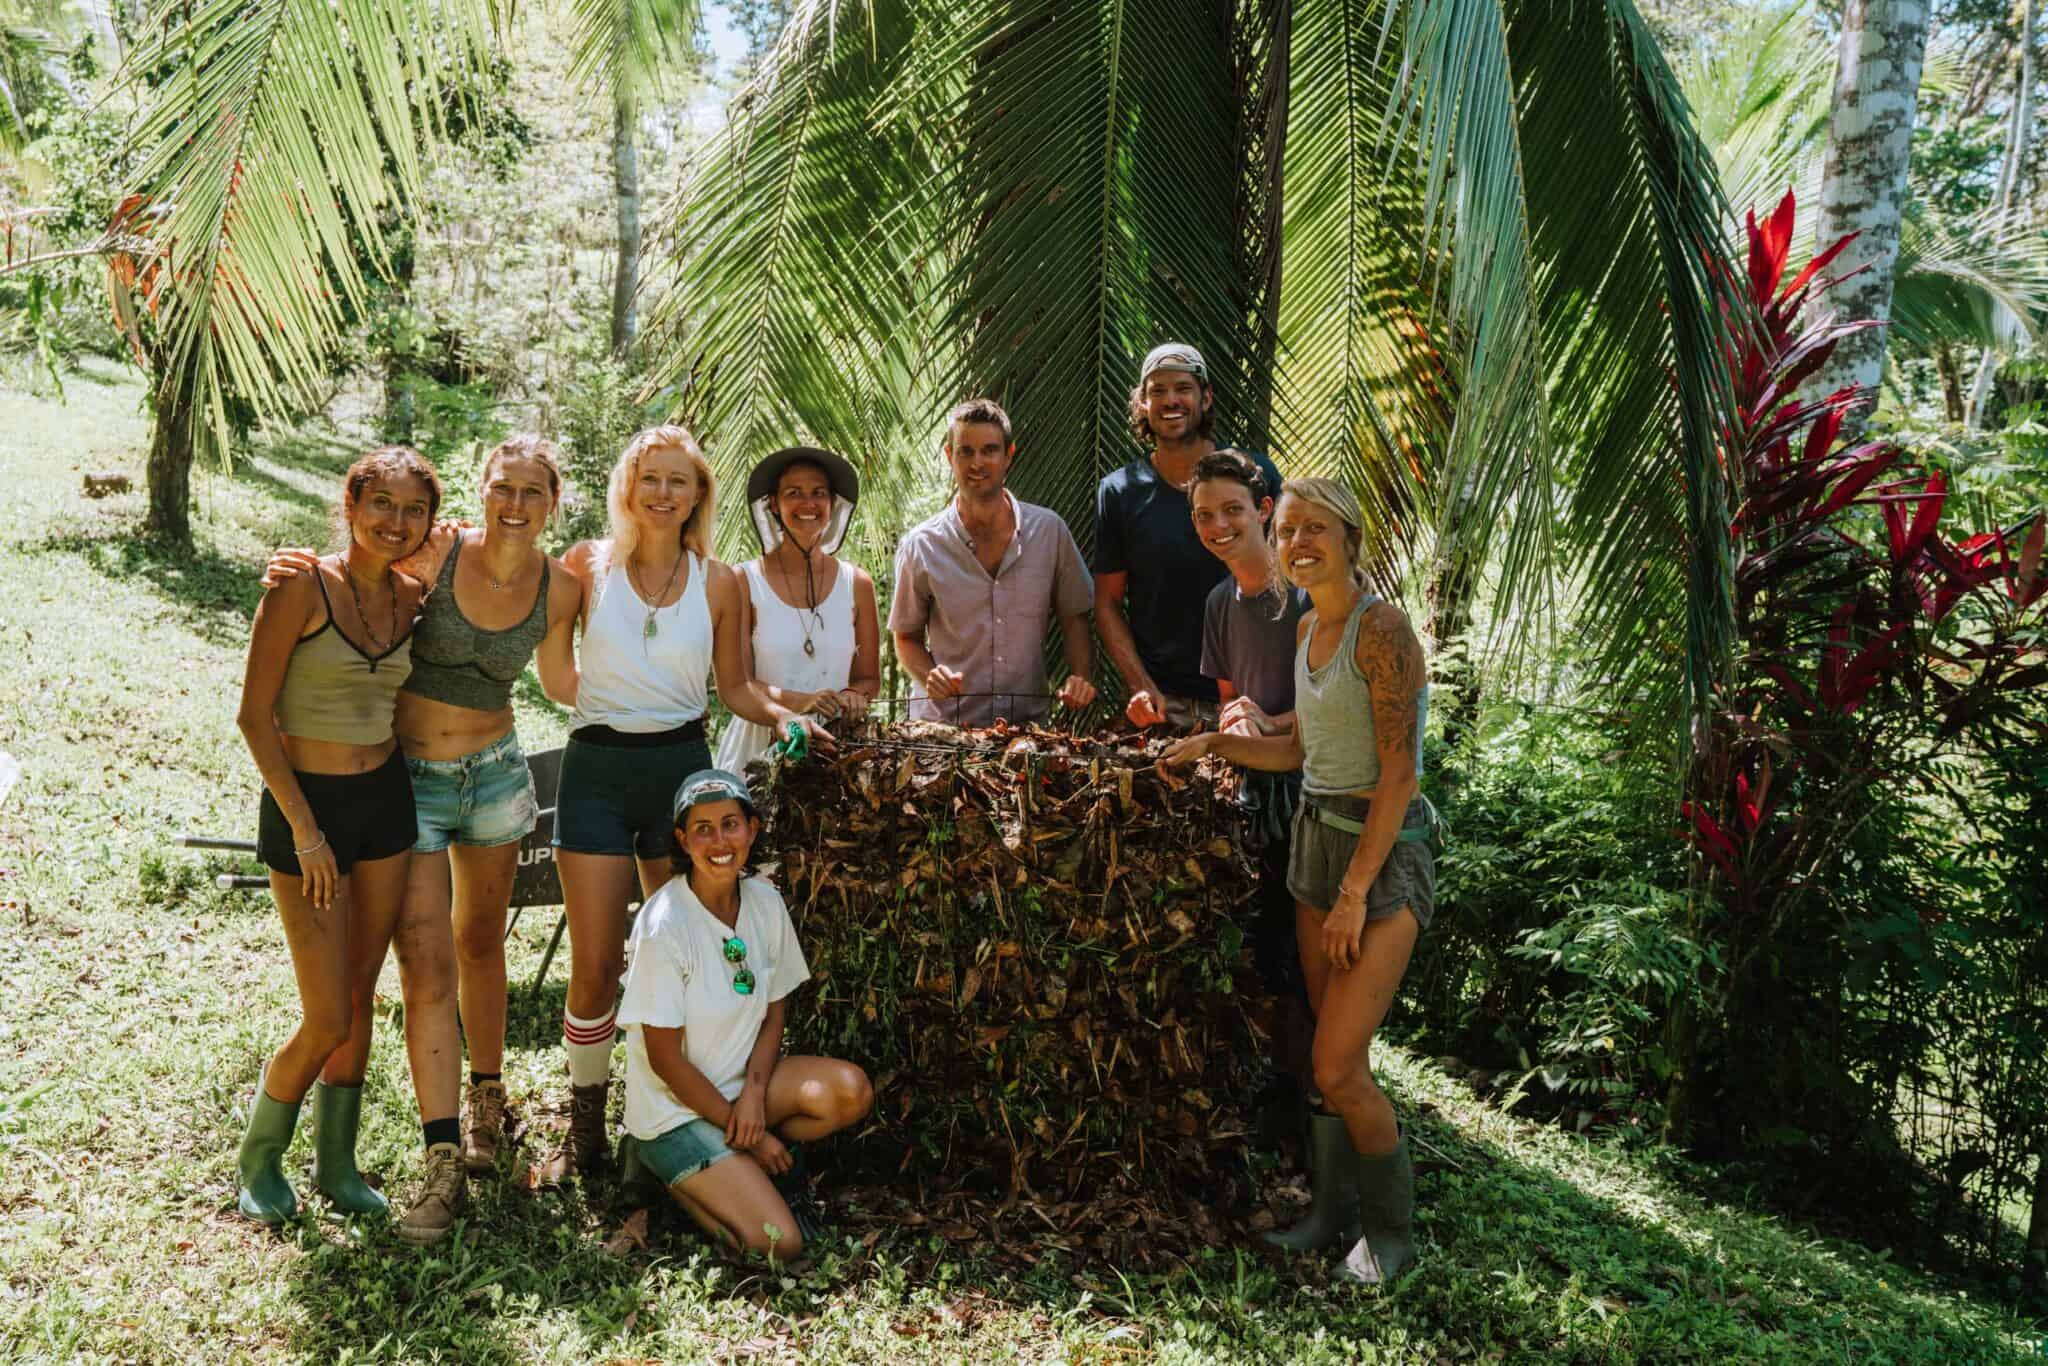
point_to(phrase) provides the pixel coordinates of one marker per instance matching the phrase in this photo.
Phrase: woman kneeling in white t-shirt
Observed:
(709, 1095)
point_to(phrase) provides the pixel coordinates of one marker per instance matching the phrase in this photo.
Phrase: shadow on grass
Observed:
(1515, 1259)
(219, 594)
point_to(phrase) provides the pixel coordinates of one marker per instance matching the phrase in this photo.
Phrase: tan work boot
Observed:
(441, 1197)
(583, 1147)
(483, 1127)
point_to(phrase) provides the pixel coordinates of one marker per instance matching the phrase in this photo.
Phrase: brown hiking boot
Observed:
(441, 1196)
(583, 1147)
(483, 1128)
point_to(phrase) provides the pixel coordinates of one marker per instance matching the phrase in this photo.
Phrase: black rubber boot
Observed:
(1333, 1204)
(1386, 1199)
(337, 1114)
(265, 1194)
(638, 1185)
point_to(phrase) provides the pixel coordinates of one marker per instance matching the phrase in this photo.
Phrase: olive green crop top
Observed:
(335, 690)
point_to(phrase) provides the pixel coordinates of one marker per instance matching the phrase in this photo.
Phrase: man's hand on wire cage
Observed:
(1076, 693)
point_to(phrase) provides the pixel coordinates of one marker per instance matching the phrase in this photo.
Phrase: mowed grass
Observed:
(139, 1002)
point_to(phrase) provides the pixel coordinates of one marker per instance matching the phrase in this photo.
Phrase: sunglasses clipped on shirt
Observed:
(736, 953)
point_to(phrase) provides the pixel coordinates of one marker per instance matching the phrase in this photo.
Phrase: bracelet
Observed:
(314, 846)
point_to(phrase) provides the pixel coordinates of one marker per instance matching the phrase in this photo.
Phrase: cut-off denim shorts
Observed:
(482, 799)
(685, 1150)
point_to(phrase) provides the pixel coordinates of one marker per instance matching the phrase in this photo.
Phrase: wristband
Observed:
(311, 848)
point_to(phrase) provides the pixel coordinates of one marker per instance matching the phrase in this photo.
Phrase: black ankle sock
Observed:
(479, 1078)
(442, 1131)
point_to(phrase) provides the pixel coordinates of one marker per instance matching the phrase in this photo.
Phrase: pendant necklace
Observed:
(378, 647)
(649, 630)
(809, 611)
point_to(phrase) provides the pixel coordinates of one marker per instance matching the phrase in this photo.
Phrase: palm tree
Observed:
(629, 50)
(1460, 251)
(271, 135)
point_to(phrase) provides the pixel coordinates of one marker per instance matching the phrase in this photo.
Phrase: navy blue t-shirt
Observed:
(1143, 528)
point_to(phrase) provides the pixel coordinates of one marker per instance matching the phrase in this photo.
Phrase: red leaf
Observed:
(1927, 518)
(1712, 840)
(2030, 584)
(1818, 264)
(1767, 250)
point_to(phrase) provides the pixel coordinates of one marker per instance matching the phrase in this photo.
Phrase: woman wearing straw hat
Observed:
(810, 631)
(1359, 863)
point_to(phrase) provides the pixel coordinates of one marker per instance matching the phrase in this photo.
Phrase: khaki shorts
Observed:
(1318, 854)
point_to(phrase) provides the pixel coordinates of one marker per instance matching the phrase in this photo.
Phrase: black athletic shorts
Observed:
(365, 816)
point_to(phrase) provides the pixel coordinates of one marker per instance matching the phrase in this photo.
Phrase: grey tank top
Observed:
(1333, 712)
(456, 662)
(335, 690)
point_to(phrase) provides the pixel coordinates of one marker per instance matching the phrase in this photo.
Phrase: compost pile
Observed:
(1037, 946)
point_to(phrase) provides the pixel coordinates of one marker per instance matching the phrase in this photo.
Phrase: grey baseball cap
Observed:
(711, 785)
(1174, 356)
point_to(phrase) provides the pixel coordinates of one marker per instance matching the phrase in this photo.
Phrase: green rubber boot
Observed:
(265, 1194)
(1333, 1194)
(1386, 1199)
(337, 1113)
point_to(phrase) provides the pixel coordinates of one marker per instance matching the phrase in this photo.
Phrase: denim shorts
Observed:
(685, 1150)
(1319, 854)
(481, 799)
(618, 792)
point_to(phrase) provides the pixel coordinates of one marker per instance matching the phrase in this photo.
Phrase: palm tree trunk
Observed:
(170, 462)
(1863, 181)
(1951, 382)
(626, 184)
(2017, 129)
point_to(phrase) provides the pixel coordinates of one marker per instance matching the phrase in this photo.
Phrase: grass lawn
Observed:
(139, 1001)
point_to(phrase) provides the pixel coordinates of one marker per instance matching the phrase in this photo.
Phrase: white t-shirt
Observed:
(677, 978)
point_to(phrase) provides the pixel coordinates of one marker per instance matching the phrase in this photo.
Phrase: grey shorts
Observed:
(1318, 854)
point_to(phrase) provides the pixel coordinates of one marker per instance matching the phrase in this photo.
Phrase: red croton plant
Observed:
(1871, 637)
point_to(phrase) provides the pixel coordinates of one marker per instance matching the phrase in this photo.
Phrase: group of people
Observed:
(377, 705)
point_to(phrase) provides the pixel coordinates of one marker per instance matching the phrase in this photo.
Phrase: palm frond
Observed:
(799, 300)
(274, 141)
(1367, 369)
(625, 49)
(1959, 283)
(1099, 196)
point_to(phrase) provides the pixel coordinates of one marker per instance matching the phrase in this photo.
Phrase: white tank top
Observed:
(632, 681)
(779, 658)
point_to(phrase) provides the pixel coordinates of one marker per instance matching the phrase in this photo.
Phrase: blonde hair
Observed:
(1334, 497)
(618, 496)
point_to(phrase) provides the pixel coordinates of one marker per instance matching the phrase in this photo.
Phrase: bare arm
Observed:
(1115, 630)
(281, 618)
(684, 1080)
(866, 677)
(556, 657)
(1390, 657)
(742, 695)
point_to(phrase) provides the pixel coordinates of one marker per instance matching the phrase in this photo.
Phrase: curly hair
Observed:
(1141, 429)
(387, 462)
(1230, 463)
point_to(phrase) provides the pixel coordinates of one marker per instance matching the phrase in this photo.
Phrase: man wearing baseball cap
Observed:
(1152, 572)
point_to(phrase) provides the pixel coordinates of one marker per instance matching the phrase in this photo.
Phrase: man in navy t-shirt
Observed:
(1152, 574)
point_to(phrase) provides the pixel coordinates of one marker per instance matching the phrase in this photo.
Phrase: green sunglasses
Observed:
(736, 952)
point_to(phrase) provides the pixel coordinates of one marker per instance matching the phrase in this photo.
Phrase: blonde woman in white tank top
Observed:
(1359, 866)
(660, 617)
(811, 630)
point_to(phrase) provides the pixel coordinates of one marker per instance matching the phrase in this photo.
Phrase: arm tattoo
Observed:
(1391, 658)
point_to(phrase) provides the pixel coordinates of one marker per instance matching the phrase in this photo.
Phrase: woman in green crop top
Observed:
(497, 602)
(327, 654)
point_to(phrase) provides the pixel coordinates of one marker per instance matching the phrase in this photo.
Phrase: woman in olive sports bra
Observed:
(327, 654)
(497, 602)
